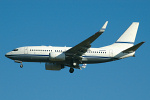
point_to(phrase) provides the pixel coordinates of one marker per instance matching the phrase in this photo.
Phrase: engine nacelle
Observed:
(56, 56)
(51, 66)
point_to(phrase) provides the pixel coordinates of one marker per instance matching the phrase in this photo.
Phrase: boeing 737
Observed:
(56, 58)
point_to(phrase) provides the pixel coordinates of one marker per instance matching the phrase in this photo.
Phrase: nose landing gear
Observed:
(18, 61)
(21, 66)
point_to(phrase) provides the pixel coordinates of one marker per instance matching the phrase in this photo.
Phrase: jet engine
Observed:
(51, 66)
(55, 56)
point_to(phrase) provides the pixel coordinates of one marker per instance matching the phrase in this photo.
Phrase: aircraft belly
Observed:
(39, 59)
(45, 58)
(96, 59)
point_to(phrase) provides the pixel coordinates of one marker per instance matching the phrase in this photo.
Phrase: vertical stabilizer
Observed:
(130, 34)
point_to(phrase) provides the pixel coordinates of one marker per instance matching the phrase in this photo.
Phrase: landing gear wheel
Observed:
(21, 66)
(71, 70)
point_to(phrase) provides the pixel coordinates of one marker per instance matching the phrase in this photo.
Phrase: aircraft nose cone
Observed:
(9, 55)
(6, 55)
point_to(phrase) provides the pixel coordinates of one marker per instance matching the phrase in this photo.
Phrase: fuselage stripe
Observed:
(48, 56)
(125, 42)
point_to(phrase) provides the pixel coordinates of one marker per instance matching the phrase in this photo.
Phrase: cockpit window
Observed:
(15, 50)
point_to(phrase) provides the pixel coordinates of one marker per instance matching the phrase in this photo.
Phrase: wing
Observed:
(82, 47)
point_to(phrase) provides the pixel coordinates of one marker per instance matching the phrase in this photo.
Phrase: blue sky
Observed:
(67, 23)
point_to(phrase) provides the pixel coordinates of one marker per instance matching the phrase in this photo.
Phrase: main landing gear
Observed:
(71, 70)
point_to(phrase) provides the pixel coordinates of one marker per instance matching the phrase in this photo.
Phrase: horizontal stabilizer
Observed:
(84, 65)
(133, 48)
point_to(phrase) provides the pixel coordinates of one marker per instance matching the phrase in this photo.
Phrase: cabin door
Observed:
(111, 53)
(25, 50)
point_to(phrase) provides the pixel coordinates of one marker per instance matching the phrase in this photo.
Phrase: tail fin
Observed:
(129, 35)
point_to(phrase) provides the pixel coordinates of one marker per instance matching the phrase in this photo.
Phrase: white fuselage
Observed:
(93, 55)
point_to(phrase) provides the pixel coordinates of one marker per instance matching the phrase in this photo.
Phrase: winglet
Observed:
(104, 27)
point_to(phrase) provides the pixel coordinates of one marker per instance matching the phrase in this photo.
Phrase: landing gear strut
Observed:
(71, 70)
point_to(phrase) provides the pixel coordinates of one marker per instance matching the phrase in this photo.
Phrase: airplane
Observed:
(57, 58)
